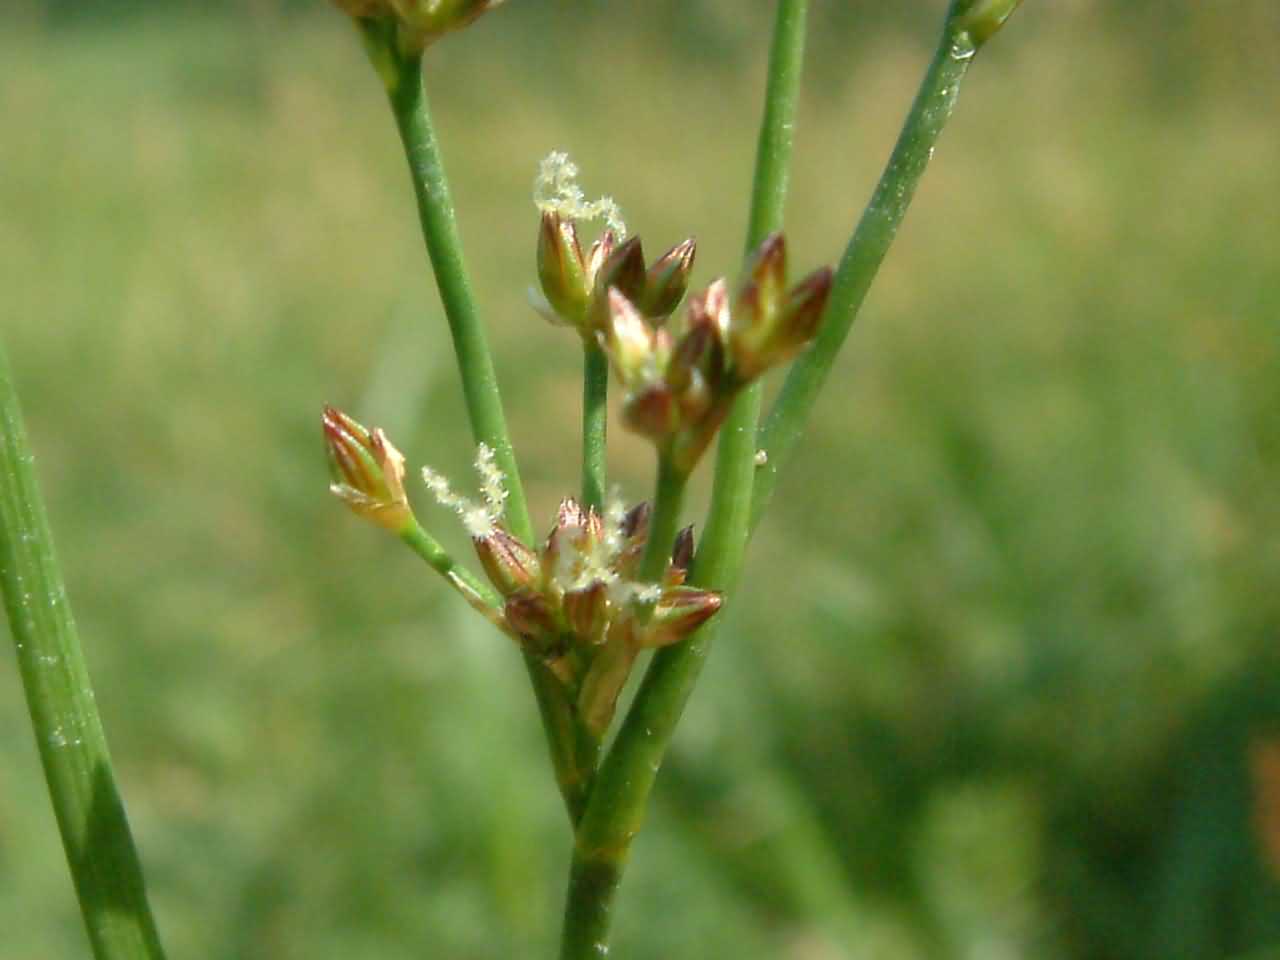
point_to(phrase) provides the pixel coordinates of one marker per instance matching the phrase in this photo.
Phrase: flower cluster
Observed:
(681, 382)
(575, 286)
(576, 603)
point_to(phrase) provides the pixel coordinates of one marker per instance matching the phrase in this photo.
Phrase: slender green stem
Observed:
(618, 799)
(472, 588)
(592, 885)
(664, 522)
(611, 818)
(933, 106)
(444, 246)
(595, 419)
(73, 748)
(402, 75)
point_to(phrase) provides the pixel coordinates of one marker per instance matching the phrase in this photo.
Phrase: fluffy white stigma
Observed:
(556, 190)
(480, 519)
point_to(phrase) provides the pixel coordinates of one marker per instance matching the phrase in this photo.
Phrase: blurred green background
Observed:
(1003, 681)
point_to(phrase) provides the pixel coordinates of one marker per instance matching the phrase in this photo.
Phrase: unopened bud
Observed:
(628, 338)
(635, 523)
(652, 411)
(679, 612)
(711, 307)
(801, 315)
(604, 680)
(427, 20)
(794, 324)
(530, 615)
(366, 471)
(509, 564)
(667, 280)
(981, 19)
(622, 269)
(561, 271)
(587, 611)
(682, 550)
(764, 282)
(692, 353)
(599, 253)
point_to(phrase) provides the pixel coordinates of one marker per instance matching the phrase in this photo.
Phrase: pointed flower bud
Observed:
(427, 20)
(508, 563)
(682, 550)
(667, 280)
(979, 20)
(561, 270)
(761, 291)
(587, 611)
(629, 340)
(606, 677)
(531, 615)
(795, 323)
(679, 612)
(367, 472)
(622, 269)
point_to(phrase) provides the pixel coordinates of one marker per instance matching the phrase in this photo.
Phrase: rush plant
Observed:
(609, 589)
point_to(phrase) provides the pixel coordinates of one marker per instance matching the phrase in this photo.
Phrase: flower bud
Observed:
(762, 287)
(623, 270)
(598, 254)
(711, 307)
(794, 326)
(427, 20)
(607, 675)
(667, 280)
(980, 19)
(758, 305)
(652, 412)
(682, 550)
(367, 472)
(679, 611)
(636, 521)
(629, 340)
(509, 564)
(530, 615)
(587, 611)
(561, 270)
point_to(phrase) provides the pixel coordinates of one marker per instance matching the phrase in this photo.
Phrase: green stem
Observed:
(444, 246)
(664, 521)
(621, 792)
(933, 106)
(595, 411)
(402, 75)
(73, 748)
(473, 589)
(612, 817)
(723, 546)
(592, 884)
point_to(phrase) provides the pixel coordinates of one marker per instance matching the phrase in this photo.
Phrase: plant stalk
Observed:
(402, 76)
(444, 246)
(55, 679)
(933, 106)
(595, 420)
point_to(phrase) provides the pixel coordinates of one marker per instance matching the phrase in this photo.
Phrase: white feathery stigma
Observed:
(480, 519)
(556, 190)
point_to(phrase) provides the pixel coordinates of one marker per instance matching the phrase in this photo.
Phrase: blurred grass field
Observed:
(1003, 681)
